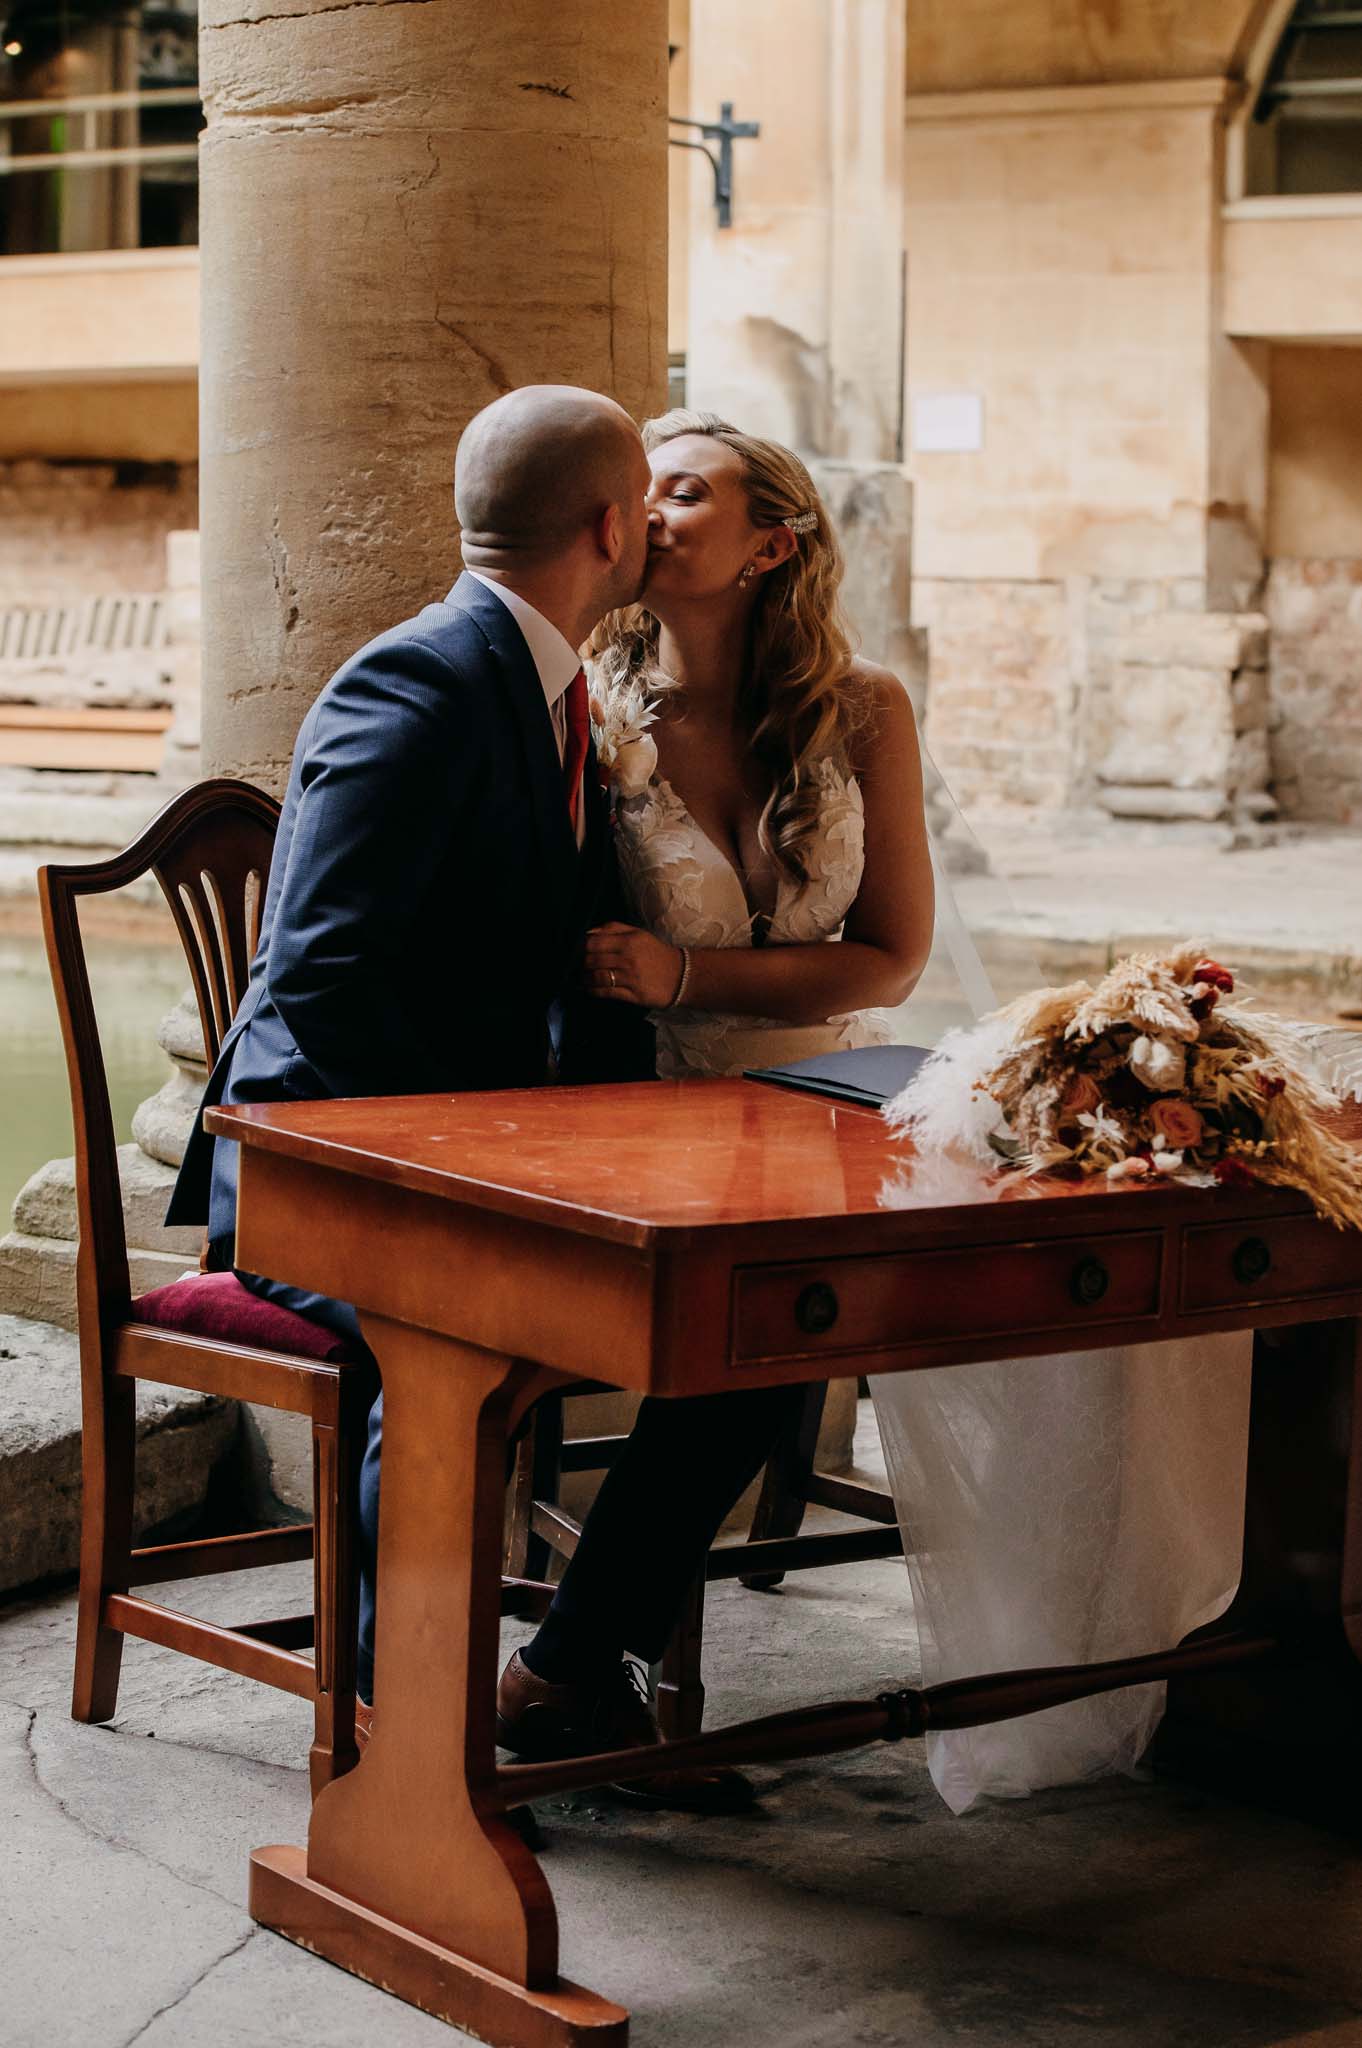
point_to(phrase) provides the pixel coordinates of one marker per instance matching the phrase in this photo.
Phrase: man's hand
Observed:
(626, 965)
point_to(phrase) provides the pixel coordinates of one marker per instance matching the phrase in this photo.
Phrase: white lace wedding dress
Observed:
(1054, 1510)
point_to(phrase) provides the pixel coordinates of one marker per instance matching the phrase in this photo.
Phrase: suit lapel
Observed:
(544, 771)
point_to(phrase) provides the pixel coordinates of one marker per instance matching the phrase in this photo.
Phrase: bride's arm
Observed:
(888, 932)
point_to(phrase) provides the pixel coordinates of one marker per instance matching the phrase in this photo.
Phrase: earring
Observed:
(746, 577)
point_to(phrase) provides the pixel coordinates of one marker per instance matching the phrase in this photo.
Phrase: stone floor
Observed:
(1076, 891)
(850, 1911)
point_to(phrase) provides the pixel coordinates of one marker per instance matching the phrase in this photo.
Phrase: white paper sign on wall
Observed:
(948, 422)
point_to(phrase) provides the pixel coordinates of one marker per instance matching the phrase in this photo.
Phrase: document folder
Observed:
(869, 1074)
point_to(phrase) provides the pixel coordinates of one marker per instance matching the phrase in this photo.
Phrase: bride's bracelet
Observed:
(680, 994)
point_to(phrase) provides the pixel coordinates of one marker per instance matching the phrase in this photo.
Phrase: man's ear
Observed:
(610, 535)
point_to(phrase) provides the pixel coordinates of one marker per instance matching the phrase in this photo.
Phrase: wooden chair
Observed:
(210, 850)
(539, 1525)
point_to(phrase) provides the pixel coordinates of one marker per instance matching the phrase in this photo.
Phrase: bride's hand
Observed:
(626, 965)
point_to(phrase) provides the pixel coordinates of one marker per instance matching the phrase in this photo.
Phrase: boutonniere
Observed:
(625, 749)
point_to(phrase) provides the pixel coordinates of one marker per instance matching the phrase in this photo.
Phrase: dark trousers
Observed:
(644, 1541)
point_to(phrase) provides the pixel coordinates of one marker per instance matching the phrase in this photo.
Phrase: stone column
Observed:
(407, 209)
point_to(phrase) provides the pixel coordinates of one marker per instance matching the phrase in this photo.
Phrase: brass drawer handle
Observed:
(1088, 1282)
(817, 1309)
(1251, 1261)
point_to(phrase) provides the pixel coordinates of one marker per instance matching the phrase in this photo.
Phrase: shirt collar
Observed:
(556, 661)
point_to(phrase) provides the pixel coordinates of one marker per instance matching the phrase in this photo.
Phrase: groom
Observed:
(442, 851)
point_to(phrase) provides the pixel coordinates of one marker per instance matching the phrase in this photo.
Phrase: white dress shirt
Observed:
(554, 658)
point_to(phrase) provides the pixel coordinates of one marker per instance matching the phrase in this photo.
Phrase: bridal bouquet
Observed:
(1148, 1076)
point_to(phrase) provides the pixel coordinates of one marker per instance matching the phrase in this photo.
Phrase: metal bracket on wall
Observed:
(723, 131)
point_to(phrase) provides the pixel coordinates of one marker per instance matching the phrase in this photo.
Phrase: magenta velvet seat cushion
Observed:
(217, 1305)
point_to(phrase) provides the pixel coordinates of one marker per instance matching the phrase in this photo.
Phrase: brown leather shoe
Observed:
(539, 1721)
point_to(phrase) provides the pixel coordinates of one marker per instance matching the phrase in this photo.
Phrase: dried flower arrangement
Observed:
(1148, 1076)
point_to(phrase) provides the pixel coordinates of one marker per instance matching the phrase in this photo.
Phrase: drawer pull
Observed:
(1089, 1282)
(817, 1309)
(1251, 1261)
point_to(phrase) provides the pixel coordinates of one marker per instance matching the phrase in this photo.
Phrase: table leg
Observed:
(412, 1877)
(1290, 1737)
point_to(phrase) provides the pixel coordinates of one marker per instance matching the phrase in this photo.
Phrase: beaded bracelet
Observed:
(679, 997)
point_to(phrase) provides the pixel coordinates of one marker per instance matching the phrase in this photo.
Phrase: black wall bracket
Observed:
(723, 132)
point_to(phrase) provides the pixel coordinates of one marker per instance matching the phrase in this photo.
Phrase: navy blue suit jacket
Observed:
(427, 901)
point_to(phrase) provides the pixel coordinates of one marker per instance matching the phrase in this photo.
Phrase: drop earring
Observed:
(746, 577)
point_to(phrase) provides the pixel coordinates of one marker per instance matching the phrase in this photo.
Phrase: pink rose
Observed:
(1176, 1122)
(1080, 1097)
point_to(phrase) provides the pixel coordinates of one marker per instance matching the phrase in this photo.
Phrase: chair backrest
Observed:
(210, 850)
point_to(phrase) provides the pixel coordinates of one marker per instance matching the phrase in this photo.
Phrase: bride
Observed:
(769, 801)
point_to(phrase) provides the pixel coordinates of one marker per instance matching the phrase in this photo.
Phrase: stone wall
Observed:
(1002, 693)
(77, 529)
(1315, 612)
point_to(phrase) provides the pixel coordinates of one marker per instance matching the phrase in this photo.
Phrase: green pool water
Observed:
(134, 982)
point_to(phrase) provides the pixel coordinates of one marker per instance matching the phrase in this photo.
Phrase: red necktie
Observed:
(577, 730)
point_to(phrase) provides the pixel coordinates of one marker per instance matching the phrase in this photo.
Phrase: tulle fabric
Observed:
(1065, 1510)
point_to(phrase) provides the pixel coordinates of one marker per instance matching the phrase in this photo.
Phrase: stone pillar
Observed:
(407, 209)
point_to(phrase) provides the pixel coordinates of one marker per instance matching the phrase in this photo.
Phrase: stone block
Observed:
(1157, 800)
(1192, 640)
(38, 1276)
(46, 1204)
(1252, 706)
(180, 1438)
(1170, 725)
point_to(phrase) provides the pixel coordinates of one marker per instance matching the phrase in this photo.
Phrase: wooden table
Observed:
(683, 1238)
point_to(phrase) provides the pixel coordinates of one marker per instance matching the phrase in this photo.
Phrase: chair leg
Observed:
(108, 1454)
(680, 1686)
(337, 1447)
(784, 1490)
(521, 1504)
(545, 1477)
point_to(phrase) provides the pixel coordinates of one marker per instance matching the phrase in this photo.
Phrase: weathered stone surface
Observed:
(181, 1436)
(1172, 726)
(161, 1125)
(1316, 613)
(1161, 800)
(279, 1459)
(491, 185)
(38, 1276)
(180, 1033)
(1177, 639)
(46, 1204)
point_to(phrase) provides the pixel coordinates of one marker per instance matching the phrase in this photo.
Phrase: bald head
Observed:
(538, 468)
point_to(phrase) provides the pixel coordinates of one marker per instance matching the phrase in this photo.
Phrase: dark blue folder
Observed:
(869, 1075)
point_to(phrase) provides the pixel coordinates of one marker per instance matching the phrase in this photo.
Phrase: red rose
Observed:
(1080, 1097)
(1232, 1173)
(1176, 1121)
(1217, 976)
(1270, 1085)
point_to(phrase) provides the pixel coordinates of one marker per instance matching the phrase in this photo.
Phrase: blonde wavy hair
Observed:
(800, 702)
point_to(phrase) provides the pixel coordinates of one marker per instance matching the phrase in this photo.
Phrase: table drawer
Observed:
(1288, 1258)
(876, 1303)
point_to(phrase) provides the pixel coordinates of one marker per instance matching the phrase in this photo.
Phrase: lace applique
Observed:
(681, 886)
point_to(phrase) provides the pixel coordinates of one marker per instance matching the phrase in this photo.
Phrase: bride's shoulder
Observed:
(888, 724)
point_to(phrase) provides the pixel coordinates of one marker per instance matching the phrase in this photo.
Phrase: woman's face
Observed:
(700, 533)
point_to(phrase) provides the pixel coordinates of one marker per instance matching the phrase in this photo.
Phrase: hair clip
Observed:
(802, 522)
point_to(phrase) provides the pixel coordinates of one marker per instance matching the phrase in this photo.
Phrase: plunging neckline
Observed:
(755, 917)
